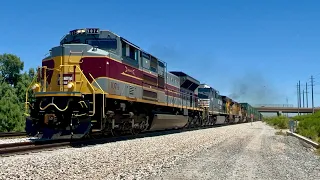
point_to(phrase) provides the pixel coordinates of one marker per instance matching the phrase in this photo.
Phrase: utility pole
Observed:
(298, 102)
(303, 98)
(299, 95)
(312, 94)
(307, 94)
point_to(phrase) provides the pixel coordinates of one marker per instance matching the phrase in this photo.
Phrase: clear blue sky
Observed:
(254, 49)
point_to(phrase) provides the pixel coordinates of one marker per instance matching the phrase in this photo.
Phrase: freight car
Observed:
(96, 80)
(250, 113)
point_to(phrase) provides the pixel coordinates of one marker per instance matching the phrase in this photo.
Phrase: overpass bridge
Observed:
(283, 108)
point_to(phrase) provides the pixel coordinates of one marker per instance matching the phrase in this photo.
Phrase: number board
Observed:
(66, 78)
(92, 31)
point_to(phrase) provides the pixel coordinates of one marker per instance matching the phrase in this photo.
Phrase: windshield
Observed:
(105, 44)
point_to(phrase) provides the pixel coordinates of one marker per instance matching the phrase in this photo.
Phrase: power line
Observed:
(317, 75)
(305, 99)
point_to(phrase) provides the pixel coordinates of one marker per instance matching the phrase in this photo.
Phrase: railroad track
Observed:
(26, 147)
(32, 146)
(12, 134)
(36, 146)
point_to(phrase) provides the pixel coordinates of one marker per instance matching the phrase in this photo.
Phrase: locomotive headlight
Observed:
(70, 85)
(36, 87)
(79, 31)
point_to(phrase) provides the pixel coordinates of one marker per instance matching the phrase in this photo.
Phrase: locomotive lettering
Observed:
(131, 71)
(114, 86)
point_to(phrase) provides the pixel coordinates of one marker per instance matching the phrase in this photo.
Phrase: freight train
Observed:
(97, 81)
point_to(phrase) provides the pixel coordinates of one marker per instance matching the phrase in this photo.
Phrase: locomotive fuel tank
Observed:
(168, 121)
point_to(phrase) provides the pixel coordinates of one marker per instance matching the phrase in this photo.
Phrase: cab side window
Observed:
(145, 60)
(154, 64)
(129, 51)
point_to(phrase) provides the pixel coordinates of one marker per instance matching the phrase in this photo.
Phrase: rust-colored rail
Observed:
(21, 147)
(12, 134)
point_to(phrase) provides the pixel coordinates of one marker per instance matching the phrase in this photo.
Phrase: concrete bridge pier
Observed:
(279, 113)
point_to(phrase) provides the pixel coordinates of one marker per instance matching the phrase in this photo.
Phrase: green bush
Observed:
(280, 122)
(309, 126)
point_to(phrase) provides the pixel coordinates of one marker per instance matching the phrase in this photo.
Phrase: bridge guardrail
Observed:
(273, 105)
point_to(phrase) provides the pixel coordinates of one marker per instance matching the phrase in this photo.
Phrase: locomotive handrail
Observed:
(93, 91)
(27, 93)
(103, 95)
(27, 103)
(45, 79)
(97, 84)
(63, 37)
(53, 104)
(61, 84)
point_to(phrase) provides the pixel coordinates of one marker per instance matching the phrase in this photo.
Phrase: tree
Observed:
(23, 83)
(10, 67)
(10, 110)
(31, 73)
(13, 86)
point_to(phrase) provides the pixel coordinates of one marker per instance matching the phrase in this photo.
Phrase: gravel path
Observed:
(256, 154)
(232, 152)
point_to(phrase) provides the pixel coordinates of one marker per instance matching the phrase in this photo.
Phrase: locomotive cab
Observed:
(66, 97)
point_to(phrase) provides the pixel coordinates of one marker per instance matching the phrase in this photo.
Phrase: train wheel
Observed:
(215, 120)
(115, 132)
(88, 135)
(135, 131)
(188, 123)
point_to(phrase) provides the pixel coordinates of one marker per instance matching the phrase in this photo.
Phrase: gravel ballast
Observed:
(232, 152)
